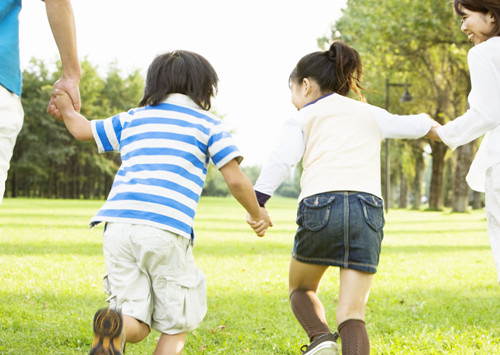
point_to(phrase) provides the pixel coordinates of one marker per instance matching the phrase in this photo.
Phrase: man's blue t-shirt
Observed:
(10, 69)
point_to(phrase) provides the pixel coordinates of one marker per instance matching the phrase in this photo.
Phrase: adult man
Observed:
(62, 24)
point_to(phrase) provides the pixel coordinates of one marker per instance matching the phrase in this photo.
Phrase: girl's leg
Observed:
(303, 286)
(135, 330)
(353, 296)
(170, 344)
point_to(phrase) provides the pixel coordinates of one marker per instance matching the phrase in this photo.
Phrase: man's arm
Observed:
(62, 24)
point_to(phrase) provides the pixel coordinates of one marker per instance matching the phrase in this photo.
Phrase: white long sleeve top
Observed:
(483, 116)
(338, 139)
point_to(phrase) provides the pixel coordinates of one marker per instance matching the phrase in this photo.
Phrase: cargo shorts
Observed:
(151, 276)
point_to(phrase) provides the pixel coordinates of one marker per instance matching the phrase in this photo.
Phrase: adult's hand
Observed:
(70, 86)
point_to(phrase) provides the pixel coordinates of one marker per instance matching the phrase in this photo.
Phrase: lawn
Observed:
(435, 292)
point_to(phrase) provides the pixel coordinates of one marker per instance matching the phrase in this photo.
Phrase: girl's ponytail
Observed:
(348, 68)
(337, 69)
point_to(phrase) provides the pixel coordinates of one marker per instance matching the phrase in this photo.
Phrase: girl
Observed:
(481, 23)
(165, 147)
(340, 214)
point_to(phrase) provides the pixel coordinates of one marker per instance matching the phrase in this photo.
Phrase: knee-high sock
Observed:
(354, 337)
(309, 312)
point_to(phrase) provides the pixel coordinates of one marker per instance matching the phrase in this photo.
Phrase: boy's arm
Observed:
(241, 188)
(76, 124)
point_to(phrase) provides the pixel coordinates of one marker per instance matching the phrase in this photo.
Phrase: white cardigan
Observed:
(483, 116)
(338, 139)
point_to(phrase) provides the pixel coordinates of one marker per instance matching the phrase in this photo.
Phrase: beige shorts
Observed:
(152, 276)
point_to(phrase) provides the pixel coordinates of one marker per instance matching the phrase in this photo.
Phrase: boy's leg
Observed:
(170, 344)
(303, 286)
(353, 296)
(135, 330)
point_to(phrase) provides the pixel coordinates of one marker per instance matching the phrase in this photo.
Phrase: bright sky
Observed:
(253, 46)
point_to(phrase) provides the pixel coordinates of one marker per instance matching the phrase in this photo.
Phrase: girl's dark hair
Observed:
(338, 69)
(180, 72)
(483, 6)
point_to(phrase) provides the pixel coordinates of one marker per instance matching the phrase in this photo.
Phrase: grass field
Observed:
(435, 292)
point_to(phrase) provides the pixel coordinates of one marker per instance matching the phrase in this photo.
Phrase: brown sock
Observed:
(354, 337)
(309, 312)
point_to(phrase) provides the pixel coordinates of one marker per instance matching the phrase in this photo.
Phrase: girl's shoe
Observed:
(325, 345)
(109, 335)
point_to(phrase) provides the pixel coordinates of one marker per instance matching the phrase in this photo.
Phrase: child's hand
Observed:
(260, 225)
(70, 86)
(63, 105)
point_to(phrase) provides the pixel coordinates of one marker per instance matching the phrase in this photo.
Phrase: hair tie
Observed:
(332, 55)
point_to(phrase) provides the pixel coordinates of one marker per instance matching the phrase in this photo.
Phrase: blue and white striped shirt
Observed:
(165, 152)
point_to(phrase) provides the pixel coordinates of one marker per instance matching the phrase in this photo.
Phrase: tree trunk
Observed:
(477, 200)
(436, 190)
(460, 197)
(416, 186)
(403, 191)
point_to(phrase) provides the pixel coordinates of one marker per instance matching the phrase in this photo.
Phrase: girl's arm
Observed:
(287, 154)
(76, 124)
(402, 126)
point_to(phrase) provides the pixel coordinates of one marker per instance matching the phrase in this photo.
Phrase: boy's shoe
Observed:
(325, 344)
(109, 335)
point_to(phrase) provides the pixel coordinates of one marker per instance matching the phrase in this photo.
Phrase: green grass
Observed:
(435, 292)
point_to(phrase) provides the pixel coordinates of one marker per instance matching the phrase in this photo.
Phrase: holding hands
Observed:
(432, 134)
(261, 223)
(70, 87)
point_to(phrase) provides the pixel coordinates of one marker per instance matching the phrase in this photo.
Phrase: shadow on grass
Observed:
(44, 248)
(237, 247)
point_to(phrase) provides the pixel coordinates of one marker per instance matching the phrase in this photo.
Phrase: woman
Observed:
(481, 23)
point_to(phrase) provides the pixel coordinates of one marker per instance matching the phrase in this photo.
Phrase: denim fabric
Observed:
(342, 229)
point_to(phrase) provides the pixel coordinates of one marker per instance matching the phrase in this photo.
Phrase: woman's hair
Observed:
(483, 6)
(180, 72)
(338, 69)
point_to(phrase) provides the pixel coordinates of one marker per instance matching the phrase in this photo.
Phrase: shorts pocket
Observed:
(184, 302)
(373, 211)
(314, 212)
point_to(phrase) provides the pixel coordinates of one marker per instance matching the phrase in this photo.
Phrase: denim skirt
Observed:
(342, 229)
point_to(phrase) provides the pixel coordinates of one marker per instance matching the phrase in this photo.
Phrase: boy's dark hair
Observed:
(483, 6)
(338, 69)
(182, 72)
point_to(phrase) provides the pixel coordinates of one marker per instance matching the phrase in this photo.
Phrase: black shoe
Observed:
(109, 336)
(325, 344)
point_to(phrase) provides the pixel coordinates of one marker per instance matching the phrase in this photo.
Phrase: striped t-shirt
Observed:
(165, 151)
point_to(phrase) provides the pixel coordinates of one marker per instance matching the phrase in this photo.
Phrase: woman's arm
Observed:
(484, 101)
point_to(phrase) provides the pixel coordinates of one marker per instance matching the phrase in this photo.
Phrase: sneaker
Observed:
(109, 336)
(325, 344)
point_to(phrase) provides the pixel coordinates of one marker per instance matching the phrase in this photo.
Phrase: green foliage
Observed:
(435, 291)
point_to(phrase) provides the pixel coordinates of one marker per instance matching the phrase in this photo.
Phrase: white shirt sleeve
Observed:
(287, 154)
(401, 126)
(484, 102)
